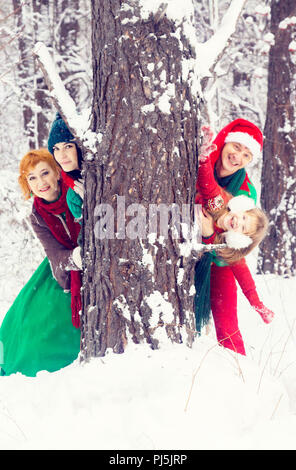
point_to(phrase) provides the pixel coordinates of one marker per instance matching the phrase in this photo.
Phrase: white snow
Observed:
(173, 398)
(292, 46)
(208, 52)
(148, 108)
(161, 308)
(176, 10)
(262, 10)
(78, 123)
(290, 20)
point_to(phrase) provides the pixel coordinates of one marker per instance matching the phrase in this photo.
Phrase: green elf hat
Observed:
(59, 132)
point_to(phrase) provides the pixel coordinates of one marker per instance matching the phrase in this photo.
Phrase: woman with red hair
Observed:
(41, 329)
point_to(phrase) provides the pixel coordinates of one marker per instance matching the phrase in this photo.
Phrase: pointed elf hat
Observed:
(243, 132)
(234, 239)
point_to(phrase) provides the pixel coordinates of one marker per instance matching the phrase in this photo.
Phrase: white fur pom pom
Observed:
(241, 203)
(237, 240)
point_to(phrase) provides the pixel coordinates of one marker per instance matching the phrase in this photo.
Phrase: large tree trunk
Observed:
(278, 251)
(137, 287)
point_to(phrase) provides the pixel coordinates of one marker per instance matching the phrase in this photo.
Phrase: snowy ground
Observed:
(174, 398)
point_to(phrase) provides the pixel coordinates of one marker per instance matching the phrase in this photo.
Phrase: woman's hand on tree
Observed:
(79, 188)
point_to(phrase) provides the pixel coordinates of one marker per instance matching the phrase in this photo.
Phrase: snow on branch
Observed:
(210, 52)
(65, 105)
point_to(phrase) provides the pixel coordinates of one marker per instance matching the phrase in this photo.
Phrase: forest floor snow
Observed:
(174, 398)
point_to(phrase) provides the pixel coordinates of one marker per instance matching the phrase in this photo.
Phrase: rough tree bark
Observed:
(138, 289)
(278, 250)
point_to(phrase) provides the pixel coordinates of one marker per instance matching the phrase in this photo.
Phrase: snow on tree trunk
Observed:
(137, 285)
(278, 250)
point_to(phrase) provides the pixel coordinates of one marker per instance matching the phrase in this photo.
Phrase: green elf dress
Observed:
(38, 332)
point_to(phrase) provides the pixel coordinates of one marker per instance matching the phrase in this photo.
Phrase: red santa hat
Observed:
(243, 132)
(250, 137)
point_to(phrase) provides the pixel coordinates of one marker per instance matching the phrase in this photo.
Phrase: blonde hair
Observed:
(232, 255)
(29, 161)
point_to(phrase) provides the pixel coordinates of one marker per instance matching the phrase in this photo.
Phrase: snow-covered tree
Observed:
(20, 251)
(279, 170)
(140, 156)
(63, 26)
(238, 84)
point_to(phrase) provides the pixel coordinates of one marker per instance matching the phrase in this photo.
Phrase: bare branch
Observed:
(160, 12)
(63, 102)
(212, 50)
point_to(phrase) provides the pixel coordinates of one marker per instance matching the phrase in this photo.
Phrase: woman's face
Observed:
(234, 156)
(44, 182)
(65, 154)
(241, 222)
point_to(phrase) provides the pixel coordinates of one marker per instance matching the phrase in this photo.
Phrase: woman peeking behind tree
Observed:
(41, 329)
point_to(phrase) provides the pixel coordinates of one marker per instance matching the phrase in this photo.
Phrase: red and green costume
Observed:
(215, 281)
(41, 331)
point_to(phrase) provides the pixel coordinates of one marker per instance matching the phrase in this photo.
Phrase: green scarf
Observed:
(231, 183)
(202, 277)
(202, 305)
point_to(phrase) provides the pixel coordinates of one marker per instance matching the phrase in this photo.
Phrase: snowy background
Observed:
(175, 398)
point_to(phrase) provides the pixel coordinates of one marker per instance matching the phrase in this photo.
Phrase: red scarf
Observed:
(48, 212)
(67, 179)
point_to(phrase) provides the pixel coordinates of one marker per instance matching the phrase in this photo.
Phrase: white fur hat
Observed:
(237, 240)
(241, 203)
(234, 239)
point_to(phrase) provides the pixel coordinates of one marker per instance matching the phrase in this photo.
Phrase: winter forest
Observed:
(135, 81)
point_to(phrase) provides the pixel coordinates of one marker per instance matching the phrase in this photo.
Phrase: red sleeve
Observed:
(67, 179)
(244, 278)
(213, 196)
(209, 240)
(207, 185)
(60, 258)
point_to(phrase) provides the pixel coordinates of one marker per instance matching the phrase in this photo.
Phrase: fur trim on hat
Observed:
(237, 240)
(245, 139)
(241, 203)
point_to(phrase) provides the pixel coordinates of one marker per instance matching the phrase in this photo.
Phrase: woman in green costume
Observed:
(41, 329)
